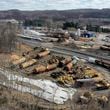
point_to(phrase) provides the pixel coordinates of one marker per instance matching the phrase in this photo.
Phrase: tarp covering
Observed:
(48, 90)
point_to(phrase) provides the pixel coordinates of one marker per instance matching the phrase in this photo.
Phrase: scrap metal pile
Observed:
(77, 73)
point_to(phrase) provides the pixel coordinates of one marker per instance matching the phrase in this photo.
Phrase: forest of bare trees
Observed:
(7, 36)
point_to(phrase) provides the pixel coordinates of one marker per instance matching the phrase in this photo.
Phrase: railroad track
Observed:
(81, 54)
(66, 51)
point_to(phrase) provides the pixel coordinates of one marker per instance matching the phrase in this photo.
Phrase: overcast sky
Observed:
(53, 4)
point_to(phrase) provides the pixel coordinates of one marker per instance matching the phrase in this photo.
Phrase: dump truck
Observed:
(28, 63)
(19, 61)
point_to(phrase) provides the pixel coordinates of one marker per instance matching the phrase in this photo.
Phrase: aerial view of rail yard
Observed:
(55, 55)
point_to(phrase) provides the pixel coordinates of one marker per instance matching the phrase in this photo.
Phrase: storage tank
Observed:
(19, 61)
(28, 63)
(40, 69)
(51, 66)
(44, 53)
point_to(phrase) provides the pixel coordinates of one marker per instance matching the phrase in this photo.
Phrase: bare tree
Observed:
(7, 36)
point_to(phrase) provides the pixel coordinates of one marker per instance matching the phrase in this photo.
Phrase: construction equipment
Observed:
(43, 54)
(19, 61)
(28, 63)
(40, 69)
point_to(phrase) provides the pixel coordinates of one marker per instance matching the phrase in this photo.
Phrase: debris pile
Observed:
(66, 71)
(77, 73)
(73, 71)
